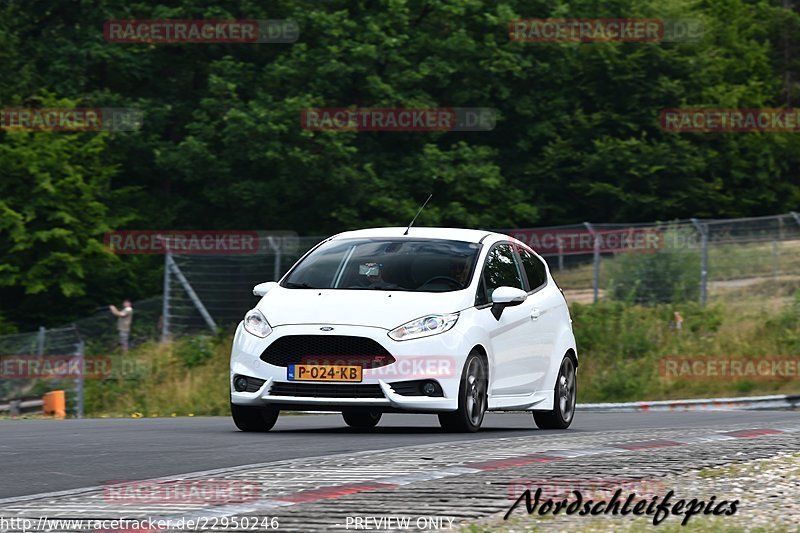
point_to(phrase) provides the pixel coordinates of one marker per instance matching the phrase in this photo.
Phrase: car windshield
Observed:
(429, 265)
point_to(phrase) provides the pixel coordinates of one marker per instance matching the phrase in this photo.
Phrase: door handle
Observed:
(535, 313)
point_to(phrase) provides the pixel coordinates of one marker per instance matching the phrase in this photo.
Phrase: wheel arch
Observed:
(572, 355)
(485, 356)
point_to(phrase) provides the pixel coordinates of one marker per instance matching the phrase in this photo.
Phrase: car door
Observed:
(545, 301)
(512, 372)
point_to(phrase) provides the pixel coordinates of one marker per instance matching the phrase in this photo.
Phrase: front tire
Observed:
(564, 398)
(254, 419)
(472, 398)
(361, 419)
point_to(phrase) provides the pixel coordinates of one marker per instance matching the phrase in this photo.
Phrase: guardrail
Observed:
(703, 404)
(17, 407)
(52, 403)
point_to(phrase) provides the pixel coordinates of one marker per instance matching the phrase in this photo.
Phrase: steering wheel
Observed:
(448, 279)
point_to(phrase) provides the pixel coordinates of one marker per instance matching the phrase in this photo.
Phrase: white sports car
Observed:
(427, 320)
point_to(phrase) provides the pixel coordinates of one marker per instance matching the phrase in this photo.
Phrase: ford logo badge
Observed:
(326, 328)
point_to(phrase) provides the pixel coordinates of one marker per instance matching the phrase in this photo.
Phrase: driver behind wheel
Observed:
(374, 274)
(459, 272)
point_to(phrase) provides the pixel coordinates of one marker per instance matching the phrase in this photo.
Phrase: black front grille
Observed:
(327, 350)
(314, 390)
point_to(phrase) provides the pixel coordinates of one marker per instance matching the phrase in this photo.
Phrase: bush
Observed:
(620, 346)
(194, 351)
(696, 318)
(616, 330)
(669, 275)
(786, 326)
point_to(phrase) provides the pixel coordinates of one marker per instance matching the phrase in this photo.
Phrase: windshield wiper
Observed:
(360, 288)
(291, 285)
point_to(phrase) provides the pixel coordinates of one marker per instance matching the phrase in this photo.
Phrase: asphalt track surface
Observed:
(43, 456)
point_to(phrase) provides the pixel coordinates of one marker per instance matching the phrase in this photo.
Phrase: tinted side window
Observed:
(501, 270)
(534, 269)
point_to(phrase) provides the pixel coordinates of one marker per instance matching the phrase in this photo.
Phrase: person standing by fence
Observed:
(124, 321)
(677, 321)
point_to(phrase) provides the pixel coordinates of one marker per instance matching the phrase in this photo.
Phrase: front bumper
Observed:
(436, 358)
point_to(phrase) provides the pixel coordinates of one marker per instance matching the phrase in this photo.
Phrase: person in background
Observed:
(124, 321)
(677, 320)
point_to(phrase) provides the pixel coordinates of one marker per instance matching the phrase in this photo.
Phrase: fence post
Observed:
(702, 229)
(596, 259)
(165, 304)
(796, 217)
(560, 253)
(775, 267)
(198, 303)
(79, 353)
(40, 338)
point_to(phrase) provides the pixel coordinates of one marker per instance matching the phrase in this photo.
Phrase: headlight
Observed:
(256, 324)
(424, 327)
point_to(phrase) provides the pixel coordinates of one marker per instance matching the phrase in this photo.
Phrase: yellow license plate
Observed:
(295, 372)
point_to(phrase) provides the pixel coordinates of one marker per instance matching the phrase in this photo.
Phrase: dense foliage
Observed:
(667, 275)
(577, 134)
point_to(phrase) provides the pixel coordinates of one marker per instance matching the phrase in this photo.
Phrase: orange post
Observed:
(55, 404)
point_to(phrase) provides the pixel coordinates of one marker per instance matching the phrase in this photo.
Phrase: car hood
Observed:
(381, 309)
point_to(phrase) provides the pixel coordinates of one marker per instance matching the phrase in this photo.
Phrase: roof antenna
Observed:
(418, 212)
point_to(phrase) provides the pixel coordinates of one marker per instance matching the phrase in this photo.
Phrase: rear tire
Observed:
(361, 419)
(564, 397)
(254, 419)
(472, 398)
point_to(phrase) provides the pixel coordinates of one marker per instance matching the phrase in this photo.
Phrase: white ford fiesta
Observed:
(426, 320)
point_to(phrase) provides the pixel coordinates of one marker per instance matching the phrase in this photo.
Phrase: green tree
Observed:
(55, 206)
(577, 135)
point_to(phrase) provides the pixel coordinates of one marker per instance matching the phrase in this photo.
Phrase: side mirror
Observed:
(503, 297)
(263, 288)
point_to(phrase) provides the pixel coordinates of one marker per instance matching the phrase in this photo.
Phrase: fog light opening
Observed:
(240, 383)
(428, 388)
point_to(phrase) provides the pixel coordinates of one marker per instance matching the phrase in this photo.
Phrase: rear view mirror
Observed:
(263, 288)
(503, 297)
